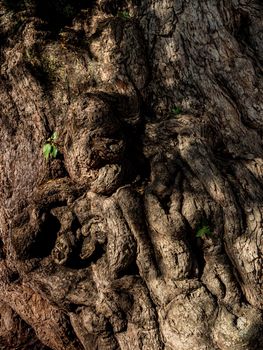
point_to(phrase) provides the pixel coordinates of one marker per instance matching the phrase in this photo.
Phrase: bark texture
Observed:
(158, 108)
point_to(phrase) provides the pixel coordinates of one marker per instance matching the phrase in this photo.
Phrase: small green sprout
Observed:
(204, 231)
(176, 110)
(50, 148)
(124, 14)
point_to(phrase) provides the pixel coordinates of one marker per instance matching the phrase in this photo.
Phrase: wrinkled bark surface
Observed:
(158, 108)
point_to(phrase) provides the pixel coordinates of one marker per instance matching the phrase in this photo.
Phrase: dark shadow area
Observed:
(2, 254)
(47, 237)
(243, 29)
(15, 5)
(131, 270)
(136, 167)
(75, 262)
(57, 13)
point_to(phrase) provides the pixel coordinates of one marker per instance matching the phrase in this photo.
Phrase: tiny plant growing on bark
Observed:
(124, 14)
(204, 232)
(176, 110)
(50, 148)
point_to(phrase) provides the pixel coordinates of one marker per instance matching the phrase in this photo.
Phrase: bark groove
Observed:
(158, 108)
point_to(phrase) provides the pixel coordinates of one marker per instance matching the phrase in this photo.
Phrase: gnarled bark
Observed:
(158, 109)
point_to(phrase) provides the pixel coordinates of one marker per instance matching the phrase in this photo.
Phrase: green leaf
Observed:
(54, 151)
(204, 231)
(124, 14)
(54, 136)
(46, 150)
(176, 110)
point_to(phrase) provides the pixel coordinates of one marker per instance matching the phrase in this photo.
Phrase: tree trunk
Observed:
(145, 231)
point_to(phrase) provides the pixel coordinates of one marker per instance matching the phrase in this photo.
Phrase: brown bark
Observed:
(158, 108)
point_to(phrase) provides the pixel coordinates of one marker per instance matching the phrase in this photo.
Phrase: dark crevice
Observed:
(14, 277)
(2, 253)
(198, 253)
(75, 262)
(136, 166)
(246, 40)
(237, 197)
(46, 238)
(132, 270)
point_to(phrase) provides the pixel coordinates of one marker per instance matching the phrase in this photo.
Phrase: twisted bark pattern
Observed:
(98, 246)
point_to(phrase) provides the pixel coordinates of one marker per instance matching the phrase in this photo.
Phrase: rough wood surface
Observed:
(158, 109)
